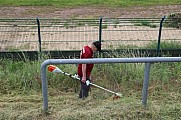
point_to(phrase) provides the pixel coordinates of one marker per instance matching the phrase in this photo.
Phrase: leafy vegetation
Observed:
(173, 20)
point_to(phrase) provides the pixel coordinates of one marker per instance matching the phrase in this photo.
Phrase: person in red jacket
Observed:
(84, 70)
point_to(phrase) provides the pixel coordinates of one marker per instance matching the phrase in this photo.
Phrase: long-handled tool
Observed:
(55, 69)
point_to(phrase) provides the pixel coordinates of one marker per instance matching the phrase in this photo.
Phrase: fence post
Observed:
(159, 36)
(145, 83)
(100, 29)
(39, 35)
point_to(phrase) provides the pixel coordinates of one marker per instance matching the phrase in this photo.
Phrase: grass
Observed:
(166, 45)
(73, 3)
(173, 20)
(153, 45)
(72, 109)
(144, 23)
(20, 82)
(21, 96)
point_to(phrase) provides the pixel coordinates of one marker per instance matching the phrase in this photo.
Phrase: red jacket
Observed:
(86, 52)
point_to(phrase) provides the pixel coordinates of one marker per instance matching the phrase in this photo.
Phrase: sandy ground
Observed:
(87, 12)
(139, 35)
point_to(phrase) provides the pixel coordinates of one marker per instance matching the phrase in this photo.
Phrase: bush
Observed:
(174, 20)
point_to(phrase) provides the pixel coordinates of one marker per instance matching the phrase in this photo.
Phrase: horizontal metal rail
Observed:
(145, 60)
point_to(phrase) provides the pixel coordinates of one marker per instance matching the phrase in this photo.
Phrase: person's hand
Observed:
(84, 79)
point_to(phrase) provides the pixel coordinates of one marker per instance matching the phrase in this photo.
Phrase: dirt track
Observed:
(87, 12)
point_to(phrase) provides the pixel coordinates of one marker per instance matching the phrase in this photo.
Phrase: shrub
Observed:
(173, 20)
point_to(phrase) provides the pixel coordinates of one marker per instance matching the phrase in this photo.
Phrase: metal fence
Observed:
(145, 60)
(71, 34)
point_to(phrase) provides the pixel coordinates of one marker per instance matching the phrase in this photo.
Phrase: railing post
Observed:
(145, 83)
(100, 29)
(44, 86)
(39, 35)
(159, 36)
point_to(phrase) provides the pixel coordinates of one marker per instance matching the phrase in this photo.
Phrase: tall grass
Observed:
(19, 76)
(153, 45)
(73, 3)
(24, 77)
(20, 90)
(165, 45)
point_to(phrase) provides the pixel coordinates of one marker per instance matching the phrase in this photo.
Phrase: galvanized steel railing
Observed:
(147, 62)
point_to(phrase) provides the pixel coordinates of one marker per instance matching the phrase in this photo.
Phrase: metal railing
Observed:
(147, 62)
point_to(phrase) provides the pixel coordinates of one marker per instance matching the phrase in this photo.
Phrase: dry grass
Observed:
(67, 106)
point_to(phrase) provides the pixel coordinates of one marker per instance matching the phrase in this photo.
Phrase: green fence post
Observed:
(100, 29)
(39, 35)
(159, 36)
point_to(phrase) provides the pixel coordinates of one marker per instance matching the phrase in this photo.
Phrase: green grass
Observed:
(153, 45)
(75, 3)
(20, 82)
(144, 23)
(21, 96)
